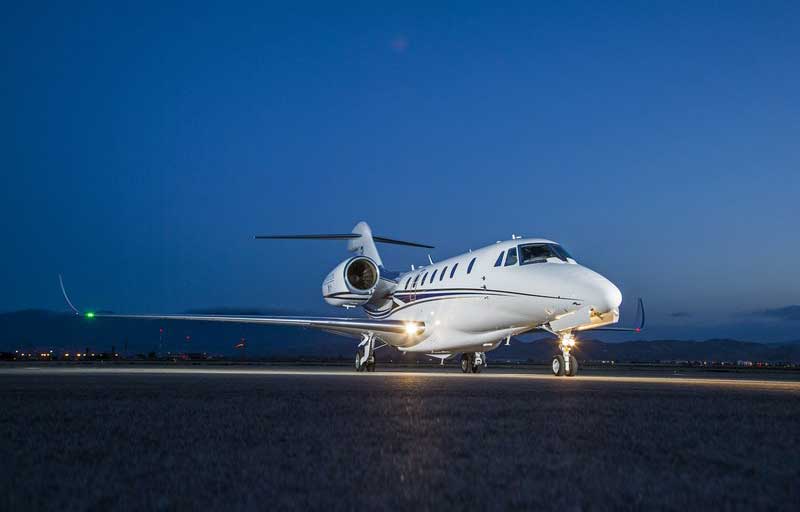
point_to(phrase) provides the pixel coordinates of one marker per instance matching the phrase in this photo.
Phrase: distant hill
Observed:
(40, 329)
(659, 350)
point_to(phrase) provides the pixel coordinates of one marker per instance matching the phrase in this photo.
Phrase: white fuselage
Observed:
(479, 304)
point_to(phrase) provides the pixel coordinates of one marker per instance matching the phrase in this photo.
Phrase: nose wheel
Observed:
(473, 362)
(565, 364)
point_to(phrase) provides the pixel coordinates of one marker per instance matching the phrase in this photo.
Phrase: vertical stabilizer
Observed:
(365, 244)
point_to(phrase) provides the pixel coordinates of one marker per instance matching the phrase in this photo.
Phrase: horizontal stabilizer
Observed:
(342, 236)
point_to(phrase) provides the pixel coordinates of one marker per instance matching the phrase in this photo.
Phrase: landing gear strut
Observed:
(473, 362)
(565, 363)
(365, 355)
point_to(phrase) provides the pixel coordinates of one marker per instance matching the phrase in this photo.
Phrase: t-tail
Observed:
(360, 241)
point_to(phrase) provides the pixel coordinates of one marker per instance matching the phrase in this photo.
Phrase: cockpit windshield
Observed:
(539, 253)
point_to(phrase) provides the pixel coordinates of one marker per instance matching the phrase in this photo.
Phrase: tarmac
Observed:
(253, 437)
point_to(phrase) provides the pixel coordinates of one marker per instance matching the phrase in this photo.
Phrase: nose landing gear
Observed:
(565, 363)
(473, 362)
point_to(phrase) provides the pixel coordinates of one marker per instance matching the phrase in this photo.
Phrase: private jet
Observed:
(469, 304)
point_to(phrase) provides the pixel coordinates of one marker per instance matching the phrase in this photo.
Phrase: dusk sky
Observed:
(143, 146)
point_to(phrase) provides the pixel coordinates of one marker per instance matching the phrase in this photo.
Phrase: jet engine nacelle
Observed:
(352, 283)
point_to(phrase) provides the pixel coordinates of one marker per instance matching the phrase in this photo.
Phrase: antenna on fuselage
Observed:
(430, 260)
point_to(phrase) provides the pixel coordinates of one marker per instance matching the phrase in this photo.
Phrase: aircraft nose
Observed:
(610, 296)
(601, 293)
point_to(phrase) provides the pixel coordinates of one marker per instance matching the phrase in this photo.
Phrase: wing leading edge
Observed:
(347, 326)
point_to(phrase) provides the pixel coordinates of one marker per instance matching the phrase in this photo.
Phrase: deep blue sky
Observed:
(143, 146)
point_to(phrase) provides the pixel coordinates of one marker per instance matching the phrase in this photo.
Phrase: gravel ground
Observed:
(391, 441)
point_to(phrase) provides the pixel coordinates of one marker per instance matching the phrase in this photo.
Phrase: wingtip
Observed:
(66, 297)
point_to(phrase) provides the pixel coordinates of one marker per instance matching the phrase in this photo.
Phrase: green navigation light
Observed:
(89, 315)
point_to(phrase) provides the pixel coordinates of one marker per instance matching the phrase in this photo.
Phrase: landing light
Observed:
(411, 328)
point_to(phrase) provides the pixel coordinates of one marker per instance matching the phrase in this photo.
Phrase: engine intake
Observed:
(352, 282)
(362, 274)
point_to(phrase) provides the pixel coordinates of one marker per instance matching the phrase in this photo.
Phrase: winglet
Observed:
(66, 297)
(640, 315)
(639, 318)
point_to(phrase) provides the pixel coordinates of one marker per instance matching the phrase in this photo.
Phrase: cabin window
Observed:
(408, 281)
(452, 272)
(444, 271)
(511, 259)
(422, 281)
(433, 276)
(471, 264)
(414, 284)
(499, 259)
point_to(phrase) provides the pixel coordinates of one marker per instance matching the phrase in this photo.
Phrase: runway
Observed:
(777, 384)
(327, 438)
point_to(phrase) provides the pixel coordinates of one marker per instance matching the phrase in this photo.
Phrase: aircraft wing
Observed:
(640, 321)
(347, 326)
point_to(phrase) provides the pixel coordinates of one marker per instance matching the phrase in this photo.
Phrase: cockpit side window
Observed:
(444, 271)
(562, 253)
(539, 253)
(453, 272)
(511, 259)
(433, 276)
(408, 281)
(471, 264)
(499, 261)
(422, 281)
(414, 284)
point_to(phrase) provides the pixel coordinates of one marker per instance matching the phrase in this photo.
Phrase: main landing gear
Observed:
(365, 355)
(473, 362)
(565, 363)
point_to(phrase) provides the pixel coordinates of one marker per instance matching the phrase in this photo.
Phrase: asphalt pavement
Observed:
(249, 438)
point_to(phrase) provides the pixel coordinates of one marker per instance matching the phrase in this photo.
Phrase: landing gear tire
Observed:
(558, 366)
(573, 367)
(473, 362)
(365, 354)
(466, 363)
(359, 367)
(368, 365)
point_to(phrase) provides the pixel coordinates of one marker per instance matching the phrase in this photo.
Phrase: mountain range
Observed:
(42, 330)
